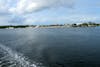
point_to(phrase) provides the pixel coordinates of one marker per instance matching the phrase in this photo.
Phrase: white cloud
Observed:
(82, 18)
(28, 6)
(12, 11)
(60, 19)
(23, 7)
(16, 11)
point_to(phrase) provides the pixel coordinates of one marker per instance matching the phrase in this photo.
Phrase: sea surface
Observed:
(50, 47)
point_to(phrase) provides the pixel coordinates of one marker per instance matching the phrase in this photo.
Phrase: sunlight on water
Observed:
(9, 58)
(58, 47)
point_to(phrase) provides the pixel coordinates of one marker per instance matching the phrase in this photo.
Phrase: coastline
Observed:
(50, 27)
(75, 25)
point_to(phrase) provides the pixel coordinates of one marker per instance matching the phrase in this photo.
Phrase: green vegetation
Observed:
(89, 24)
(18, 26)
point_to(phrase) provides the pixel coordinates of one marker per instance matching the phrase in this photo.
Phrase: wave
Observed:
(10, 58)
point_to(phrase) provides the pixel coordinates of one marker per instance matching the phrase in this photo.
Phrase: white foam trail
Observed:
(19, 59)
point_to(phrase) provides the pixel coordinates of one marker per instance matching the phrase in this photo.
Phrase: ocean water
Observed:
(50, 47)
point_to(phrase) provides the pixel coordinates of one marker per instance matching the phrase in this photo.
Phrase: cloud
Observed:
(12, 11)
(4, 7)
(81, 18)
(60, 19)
(29, 6)
(24, 12)
(16, 19)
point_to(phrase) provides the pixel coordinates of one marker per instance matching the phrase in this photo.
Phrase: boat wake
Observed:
(10, 58)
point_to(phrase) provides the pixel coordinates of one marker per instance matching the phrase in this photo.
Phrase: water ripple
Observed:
(9, 58)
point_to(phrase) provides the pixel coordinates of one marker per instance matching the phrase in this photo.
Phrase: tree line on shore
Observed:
(89, 24)
(16, 26)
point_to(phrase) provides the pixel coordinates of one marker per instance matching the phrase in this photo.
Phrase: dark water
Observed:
(50, 47)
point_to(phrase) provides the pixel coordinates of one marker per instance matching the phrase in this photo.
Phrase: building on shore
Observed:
(10, 28)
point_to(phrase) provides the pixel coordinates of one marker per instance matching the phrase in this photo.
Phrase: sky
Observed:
(37, 12)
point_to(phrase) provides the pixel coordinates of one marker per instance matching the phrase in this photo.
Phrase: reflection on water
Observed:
(50, 47)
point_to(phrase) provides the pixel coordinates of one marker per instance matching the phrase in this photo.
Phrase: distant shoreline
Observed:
(48, 27)
(89, 24)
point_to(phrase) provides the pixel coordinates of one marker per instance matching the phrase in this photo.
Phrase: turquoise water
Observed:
(50, 47)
